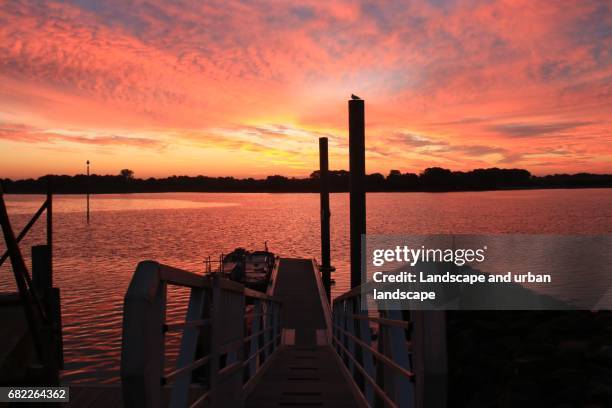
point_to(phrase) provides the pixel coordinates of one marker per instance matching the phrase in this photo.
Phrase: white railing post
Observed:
(342, 336)
(189, 342)
(227, 328)
(335, 322)
(403, 388)
(215, 339)
(277, 325)
(350, 328)
(215, 320)
(255, 328)
(268, 326)
(389, 366)
(142, 351)
(365, 335)
(430, 358)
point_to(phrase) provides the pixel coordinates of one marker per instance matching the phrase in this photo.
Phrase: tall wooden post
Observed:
(326, 268)
(50, 229)
(357, 184)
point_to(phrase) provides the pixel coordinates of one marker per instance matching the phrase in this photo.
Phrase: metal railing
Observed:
(393, 358)
(40, 300)
(229, 336)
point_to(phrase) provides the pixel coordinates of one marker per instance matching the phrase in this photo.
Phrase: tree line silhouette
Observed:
(431, 179)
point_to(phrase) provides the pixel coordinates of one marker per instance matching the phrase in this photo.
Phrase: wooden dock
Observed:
(303, 371)
(288, 347)
(301, 375)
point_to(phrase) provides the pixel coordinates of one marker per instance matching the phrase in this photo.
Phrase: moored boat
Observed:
(253, 269)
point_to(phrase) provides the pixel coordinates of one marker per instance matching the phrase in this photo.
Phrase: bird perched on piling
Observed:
(355, 97)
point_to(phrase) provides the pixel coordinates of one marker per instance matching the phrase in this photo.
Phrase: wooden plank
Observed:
(303, 376)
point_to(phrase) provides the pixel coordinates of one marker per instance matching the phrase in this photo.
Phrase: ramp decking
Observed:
(300, 377)
(305, 373)
(302, 311)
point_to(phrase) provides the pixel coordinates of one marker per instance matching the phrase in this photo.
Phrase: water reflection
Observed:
(94, 263)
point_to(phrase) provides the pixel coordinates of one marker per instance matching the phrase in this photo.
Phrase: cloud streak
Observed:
(27, 134)
(535, 129)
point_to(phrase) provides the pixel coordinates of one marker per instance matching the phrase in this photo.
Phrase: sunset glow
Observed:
(246, 89)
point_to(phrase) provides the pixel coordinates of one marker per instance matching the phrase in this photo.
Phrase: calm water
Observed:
(94, 263)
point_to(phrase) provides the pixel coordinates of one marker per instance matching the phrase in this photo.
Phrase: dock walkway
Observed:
(302, 311)
(304, 373)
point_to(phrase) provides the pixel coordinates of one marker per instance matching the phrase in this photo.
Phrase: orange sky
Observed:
(245, 89)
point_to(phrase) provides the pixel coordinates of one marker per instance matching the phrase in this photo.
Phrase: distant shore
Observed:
(434, 179)
(299, 192)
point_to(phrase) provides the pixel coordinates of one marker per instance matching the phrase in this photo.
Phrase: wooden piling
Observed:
(357, 185)
(41, 268)
(326, 268)
(50, 226)
(42, 282)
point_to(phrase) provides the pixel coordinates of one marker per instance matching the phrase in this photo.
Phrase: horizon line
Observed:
(263, 177)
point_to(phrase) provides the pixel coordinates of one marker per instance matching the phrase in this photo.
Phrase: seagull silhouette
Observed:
(355, 97)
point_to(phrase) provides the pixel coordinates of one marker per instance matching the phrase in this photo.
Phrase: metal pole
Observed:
(88, 186)
(20, 271)
(25, 230)
(326, 268)
(357, 185)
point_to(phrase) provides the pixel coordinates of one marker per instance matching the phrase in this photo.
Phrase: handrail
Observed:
(381, 393)
(180, 277)
(40, 300)
(27, 228)
(217, 340)
(379, 320)
(327, 313)
(258, 295)
(402, 364)
(377, 354)
(348, 294)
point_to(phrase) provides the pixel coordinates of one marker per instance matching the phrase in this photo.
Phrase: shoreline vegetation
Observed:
(433, 179)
